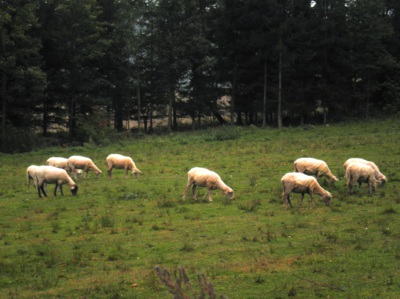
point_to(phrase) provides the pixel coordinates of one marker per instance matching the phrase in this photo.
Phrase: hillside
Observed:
(106, 241)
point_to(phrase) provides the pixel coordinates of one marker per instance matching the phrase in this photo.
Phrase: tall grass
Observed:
(107, 241)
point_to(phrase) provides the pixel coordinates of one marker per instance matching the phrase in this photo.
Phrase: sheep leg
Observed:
(209, 195)
(350, 184)
(286, 199)
(109, 172)
(289, 201)
(86, 170)
(351, 187)
(40, 187)
(194, 192)
(72, 170)
(126, 172)
(28, 180)
(301, 199)
(187, 189)
(370, 187)
(312, 199)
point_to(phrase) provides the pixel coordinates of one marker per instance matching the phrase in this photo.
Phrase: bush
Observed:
(223, 133)
(18, 140)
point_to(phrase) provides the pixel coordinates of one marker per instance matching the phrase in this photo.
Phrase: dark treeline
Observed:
(75, 69)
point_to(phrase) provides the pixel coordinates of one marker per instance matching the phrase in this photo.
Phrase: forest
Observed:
(76, 71)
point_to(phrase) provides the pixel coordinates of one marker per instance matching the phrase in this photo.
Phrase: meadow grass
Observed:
(106, 241)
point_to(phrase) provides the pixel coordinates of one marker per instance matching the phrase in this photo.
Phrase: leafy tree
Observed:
(22, 80)
(369, 28)
(74, 43)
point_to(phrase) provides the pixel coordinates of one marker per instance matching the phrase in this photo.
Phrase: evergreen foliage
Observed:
(143, 63)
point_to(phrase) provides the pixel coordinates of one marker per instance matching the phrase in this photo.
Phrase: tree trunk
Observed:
(279, 112)
(71, 118)
(367, 97)
(138, 103)
(264, 116)
(233, 98)
(171, 101)
(3, 109)
(119, 118)
(3, 98)
(45, 122)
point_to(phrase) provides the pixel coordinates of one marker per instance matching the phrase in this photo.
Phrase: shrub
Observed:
(223, 133)
(19, 140)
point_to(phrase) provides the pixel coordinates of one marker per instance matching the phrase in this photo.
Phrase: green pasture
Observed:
(106, 241)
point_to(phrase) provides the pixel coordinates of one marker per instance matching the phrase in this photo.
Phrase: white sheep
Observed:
(202, 177)
(360, 173)
(315, 167)
(61, 162)
(301, 183)
(30, 176)
(118, 161)
(381, 179)
(53, 175)
(58, 162)
(84, 163)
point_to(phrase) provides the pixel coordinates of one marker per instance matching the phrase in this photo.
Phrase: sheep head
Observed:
(97, 173)
(229, 192)
(327, 198)
(135, 172)
(74, 189)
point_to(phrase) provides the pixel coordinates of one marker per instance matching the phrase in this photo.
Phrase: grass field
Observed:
(106, 241)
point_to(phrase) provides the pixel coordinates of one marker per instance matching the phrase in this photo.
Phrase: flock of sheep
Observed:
(58, 168)
(301, 180)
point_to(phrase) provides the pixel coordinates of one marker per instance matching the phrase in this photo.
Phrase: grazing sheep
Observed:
(360, 173)
(121, 162)
(53, 175)
(202, 177)
(381, 179)
(84, 163)
(62, 163)
(315, 167)
(58, 162)
(301, 183)
(30, 176)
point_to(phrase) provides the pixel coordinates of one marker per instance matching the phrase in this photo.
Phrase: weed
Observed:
(128, 196)
(259, 279)
(187, 247)
(165, 203)
(55, 227)
(107, 221)
(180, 286)
(251, 206)
(389, 211)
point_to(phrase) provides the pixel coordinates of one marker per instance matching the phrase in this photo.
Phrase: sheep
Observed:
(379, 177)
(84, 163)
(58, 162)
(30, 176)
(360, 173)
(315, 167)
(202, 177)
(53, 175)
(298, 182)
(62, 163)
(121, 162)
